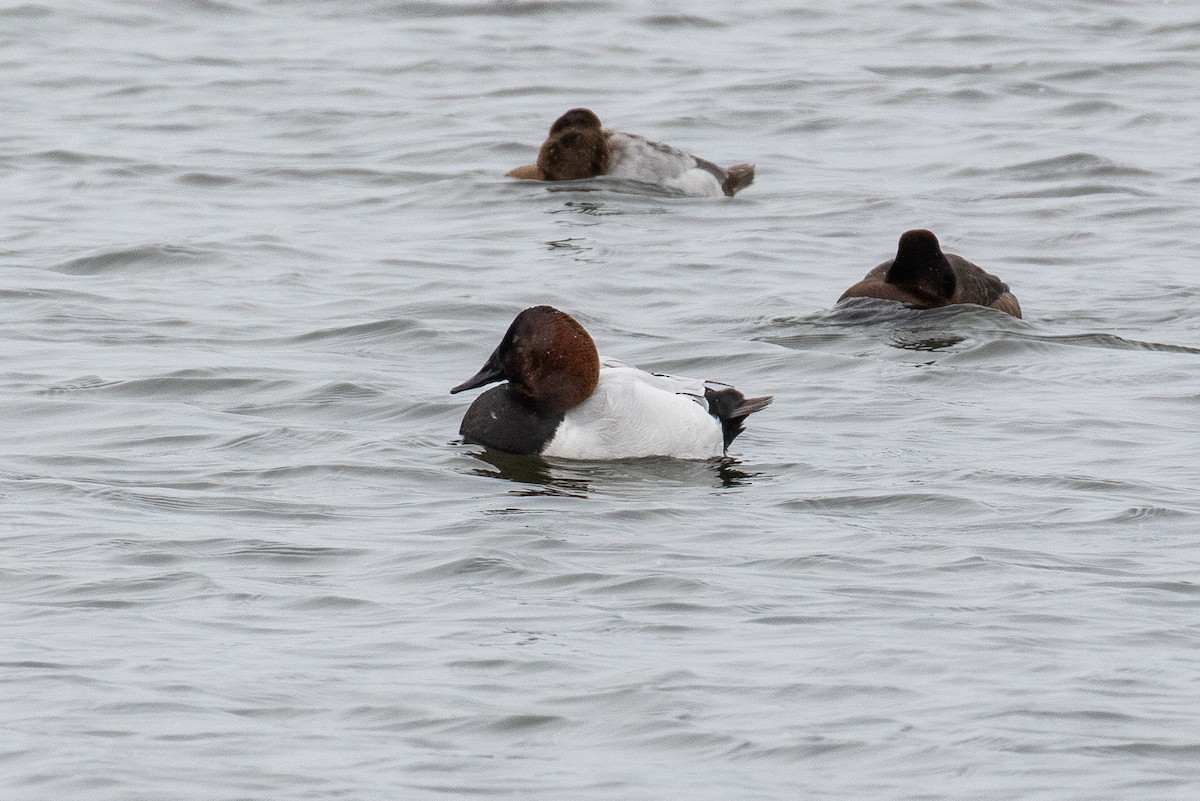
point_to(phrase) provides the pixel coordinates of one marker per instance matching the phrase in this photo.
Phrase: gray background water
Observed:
(249, 246)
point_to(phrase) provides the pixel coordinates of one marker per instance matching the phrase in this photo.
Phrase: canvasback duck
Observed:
(923, 277)
(578, 147)
(562, 401)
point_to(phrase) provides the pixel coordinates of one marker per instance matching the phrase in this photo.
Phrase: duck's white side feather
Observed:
(636, 158)
(633, 414)
(693, 388)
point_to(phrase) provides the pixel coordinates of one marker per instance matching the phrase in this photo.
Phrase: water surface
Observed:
(249, 247)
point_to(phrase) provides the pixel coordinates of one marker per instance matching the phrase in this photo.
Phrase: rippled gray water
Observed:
(249, 246)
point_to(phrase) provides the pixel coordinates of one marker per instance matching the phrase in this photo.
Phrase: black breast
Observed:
(504, 421)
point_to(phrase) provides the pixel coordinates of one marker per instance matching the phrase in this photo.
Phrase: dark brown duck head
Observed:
(575, 148)
(547, 358)
(922, 268)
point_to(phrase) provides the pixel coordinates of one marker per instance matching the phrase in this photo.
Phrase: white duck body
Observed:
(637, 158)
(634, 414)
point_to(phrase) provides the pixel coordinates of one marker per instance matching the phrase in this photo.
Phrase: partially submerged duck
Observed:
(579, 147)
(561, 400)
(923, 277)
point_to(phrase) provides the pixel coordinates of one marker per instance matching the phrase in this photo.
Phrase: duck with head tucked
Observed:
(579, 147)
(561, 400)
(923, 277)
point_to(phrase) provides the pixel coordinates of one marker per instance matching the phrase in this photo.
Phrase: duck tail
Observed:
(731, 408)
(749, 406)
(738, 177)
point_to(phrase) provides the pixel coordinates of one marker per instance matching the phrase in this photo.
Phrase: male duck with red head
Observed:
(562, 401)
(923, 277)
(579, 147)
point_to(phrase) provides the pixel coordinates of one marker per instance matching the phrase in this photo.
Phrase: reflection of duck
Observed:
(578, 147)
(560, 400)
(924, 277)
(535, 474)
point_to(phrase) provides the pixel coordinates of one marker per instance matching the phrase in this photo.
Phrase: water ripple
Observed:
(249, 246)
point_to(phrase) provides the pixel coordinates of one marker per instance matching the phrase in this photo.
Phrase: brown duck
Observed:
(579, 147)
(923, 277)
